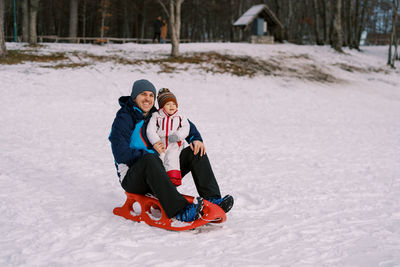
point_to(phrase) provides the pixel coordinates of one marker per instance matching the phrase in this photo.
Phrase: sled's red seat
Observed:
(148, 209)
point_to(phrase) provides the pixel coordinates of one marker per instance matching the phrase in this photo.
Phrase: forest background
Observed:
(305, 21)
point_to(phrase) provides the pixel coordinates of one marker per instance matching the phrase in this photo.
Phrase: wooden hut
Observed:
(259, 25)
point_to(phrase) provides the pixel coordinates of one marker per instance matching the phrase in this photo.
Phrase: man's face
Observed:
(170, 107)
(145, 101)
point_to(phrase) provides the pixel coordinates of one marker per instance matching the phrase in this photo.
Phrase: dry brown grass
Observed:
(280, 65)
(67, 65)
(213, 62)
(19, 57)
(351, 68)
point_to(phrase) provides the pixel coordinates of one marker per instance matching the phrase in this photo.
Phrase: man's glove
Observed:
(173, 138)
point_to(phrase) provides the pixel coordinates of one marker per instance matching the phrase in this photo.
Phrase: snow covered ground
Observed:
(314, 167)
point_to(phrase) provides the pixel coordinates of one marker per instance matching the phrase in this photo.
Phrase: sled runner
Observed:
(148, 209)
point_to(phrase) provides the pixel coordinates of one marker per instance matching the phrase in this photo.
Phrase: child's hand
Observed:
(173, 138)
(159, 147)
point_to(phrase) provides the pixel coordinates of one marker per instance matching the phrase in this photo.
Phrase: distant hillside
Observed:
(311, 63)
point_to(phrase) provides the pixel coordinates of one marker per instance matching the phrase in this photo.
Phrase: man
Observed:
(141, 171)
(157, 29)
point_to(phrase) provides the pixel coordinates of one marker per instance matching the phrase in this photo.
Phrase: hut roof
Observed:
(253, 13)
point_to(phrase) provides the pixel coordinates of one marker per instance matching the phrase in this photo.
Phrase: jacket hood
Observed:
(124, 100)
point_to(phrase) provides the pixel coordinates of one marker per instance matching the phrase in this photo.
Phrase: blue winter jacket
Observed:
(128, 135)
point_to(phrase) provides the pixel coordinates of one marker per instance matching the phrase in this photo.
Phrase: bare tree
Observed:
(289, 20)
(84, 19)
(143, 19)
(126, 30)
(73, 19)
(355, 26)
(25, 21)
(360, 27)
(337, 38)
(355, 22)
(393, 56)
(175, 25)
(174, 18)
(33, 9)
(325, 20)
(317, 23)
(3, 50)
(104, 10)
(347, 17)
(240, 12)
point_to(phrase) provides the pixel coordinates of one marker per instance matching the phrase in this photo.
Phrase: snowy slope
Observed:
(314, 167)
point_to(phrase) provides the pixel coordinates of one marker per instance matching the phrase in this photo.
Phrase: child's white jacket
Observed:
(162, 125)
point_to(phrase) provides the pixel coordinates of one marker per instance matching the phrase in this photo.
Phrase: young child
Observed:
(170, 127)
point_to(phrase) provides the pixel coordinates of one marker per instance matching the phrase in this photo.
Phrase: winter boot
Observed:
(225, 203)
(191, 212)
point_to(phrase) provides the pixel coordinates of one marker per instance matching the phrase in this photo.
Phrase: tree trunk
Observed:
(84, 20)
(33, 9)
(389, 60)
(326, 19)
(174, 37)
(393, 37)
(104, 11)
(240, 13)
(73, 19)
(143, 20)
(278, 4)
(175, 25)
(102, 24)
(289, 21)
(337, 38)
(25, 21)
(347, 19)
(231, 20)
(3, 50)
(301, 27)
(126, 30)
(355, 26)
(396, 38)
(362, 22)
(103, 18)
(317, 24)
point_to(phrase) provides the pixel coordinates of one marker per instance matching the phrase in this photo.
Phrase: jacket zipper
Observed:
(166, 133)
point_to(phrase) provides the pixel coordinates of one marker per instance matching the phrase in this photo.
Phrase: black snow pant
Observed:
(148, 175)
(156, 37)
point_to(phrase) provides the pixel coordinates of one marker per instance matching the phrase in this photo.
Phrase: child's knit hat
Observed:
(164, 96)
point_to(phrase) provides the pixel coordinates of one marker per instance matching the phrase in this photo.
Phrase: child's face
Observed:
(170, 107)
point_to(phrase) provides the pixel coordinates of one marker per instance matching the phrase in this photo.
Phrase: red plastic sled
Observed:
(140, 208)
